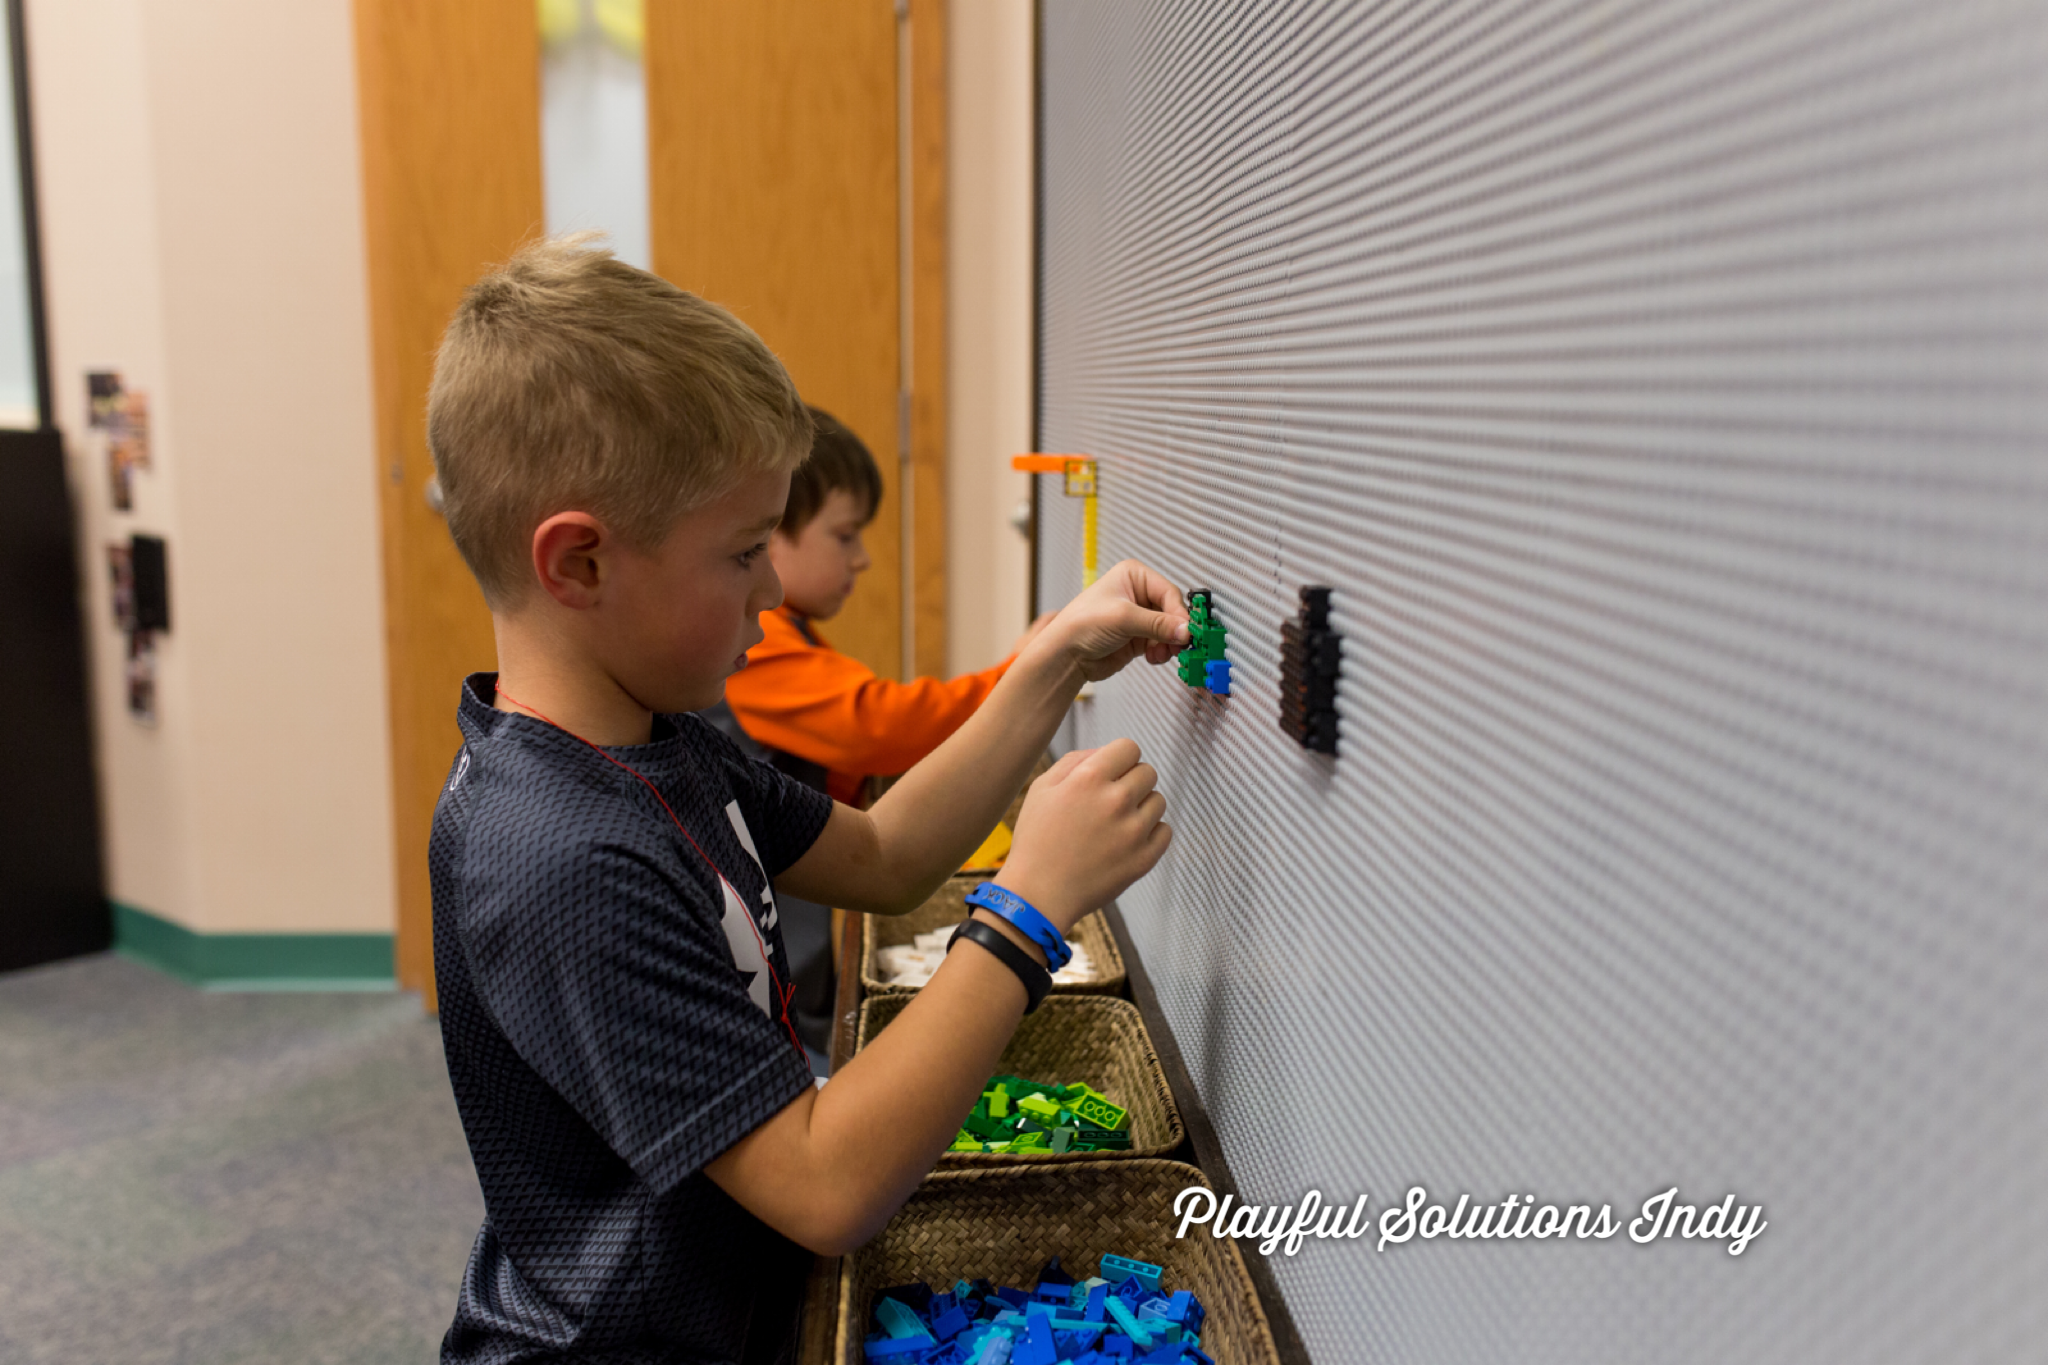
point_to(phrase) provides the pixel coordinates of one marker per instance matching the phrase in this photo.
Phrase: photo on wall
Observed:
(117, 418)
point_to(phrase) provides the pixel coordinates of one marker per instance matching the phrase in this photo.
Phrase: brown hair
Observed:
(568, 380)
(838, 461)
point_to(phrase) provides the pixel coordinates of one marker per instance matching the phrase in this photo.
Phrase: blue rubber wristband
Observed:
(1025, 916)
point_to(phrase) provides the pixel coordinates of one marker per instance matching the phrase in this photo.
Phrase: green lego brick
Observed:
(1039, 1107)
(999, 1102)
(988, 1130)
(1101, 1112)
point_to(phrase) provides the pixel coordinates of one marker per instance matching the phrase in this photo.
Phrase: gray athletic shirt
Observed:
(612, 1019)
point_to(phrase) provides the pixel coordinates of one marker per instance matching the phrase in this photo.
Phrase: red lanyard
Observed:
(782, 993)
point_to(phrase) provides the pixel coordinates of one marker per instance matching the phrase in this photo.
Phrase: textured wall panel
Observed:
(1664, 390)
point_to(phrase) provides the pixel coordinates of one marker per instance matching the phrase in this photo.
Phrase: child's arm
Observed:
(888, 859)
(832, 1166)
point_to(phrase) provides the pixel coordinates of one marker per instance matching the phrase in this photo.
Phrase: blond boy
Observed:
(655, 1159)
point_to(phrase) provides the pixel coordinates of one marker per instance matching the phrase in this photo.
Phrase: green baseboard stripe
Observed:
(255, 962)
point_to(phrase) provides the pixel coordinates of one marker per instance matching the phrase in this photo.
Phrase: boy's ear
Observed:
(568, 557)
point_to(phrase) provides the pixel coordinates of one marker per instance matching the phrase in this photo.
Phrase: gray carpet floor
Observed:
(208, 1179)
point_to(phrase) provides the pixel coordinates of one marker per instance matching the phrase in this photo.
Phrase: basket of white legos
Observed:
(1050, 1257)
(899, 953)
(1082, 1063)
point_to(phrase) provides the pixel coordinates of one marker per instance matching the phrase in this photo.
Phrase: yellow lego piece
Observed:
(993, 849)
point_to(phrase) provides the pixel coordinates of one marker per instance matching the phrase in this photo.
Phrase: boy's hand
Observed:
(1128, 612)
(1089, 828)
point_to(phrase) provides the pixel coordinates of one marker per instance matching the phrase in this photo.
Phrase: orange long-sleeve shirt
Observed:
(802, 696)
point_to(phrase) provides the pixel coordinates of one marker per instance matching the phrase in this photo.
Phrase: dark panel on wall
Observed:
(51, 903)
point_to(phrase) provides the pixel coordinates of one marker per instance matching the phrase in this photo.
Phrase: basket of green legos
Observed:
(1028, 1265)
(1079, 1078)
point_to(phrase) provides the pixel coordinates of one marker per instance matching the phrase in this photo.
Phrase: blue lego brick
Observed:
(1182, 1309)
(1152, 1312)
(881, 1350)
(1072, 1342)
(1117, 1269)
(950, 1323)
(1094, 1310)
(1217, 677)
(1117, 1347)
(899, 1321)
(1167, 1353)
(1015, 1298)
(1141, 1336)
(996, 1349)
(1051, 1274)
(1035, 1346)
(1132, 1291)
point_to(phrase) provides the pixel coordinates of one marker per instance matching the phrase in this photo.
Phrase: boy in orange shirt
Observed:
(830, 713)
(823, 717)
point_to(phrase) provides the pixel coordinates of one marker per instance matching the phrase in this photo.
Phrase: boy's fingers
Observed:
(1165, 629)
(1148, 588)
(1141, 779)
(1153, 807)
(1114, 759)
(1062, 766)
(1156, 844)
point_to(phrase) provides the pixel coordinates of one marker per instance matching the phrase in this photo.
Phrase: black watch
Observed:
(1037, 980)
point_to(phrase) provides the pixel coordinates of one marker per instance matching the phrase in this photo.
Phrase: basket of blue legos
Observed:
(1070, 1042)
(1029, 1265)
(1104, 974)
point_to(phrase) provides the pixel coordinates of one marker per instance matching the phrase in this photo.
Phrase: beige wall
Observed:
(200, 197)
(202, 220)
(989, 243)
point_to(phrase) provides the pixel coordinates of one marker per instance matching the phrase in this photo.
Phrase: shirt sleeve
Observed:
(610, 976)
(785, 816)
(829, 708)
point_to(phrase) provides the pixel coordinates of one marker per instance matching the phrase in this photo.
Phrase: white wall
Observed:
(201, 208)
(989, 241)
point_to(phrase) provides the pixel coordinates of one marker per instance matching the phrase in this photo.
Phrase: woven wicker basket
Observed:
(1073, 1038)
(1004, 1223)
(948, 907)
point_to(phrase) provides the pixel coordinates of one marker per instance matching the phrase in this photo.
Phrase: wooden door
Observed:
(796, 180)
(777, 130)
(450, 108)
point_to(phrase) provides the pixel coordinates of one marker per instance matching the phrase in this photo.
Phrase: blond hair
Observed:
(570, 381)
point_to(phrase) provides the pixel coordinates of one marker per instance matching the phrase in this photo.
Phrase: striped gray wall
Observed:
(1663, 387)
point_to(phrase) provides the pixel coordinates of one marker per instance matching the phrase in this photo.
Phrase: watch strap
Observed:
(1036, 979)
